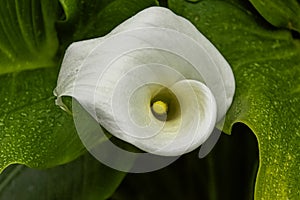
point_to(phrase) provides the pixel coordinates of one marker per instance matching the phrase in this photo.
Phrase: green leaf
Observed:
(33, 130)
(90, 18)
(280, 13)
(266, 64)
(27, 35)
(84, 178)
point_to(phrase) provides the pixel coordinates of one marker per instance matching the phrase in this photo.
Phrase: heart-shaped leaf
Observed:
(266, 64)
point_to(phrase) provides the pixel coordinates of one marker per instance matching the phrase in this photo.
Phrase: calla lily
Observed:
(155, 81)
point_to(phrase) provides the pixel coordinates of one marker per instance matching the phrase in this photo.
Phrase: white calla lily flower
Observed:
(155, 81)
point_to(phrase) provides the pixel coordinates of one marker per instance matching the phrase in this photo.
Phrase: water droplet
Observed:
(269, 137)
(23, 114)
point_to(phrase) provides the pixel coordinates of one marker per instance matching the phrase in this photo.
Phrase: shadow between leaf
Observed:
(228, 172)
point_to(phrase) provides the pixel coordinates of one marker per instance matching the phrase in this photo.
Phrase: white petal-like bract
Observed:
(154, 56)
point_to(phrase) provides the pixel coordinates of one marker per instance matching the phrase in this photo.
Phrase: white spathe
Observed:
(116, 76)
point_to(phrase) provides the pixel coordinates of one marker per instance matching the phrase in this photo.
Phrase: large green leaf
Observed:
(33, 131)
(266, 64)
(84, 178)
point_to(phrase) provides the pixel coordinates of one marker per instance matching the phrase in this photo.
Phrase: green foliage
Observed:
(227, 173)
(27, 35)
(33, 36)
(258, 44)
(280, 13)
(266, 65)
(84, 178)
(89, 19)
(32, 129)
